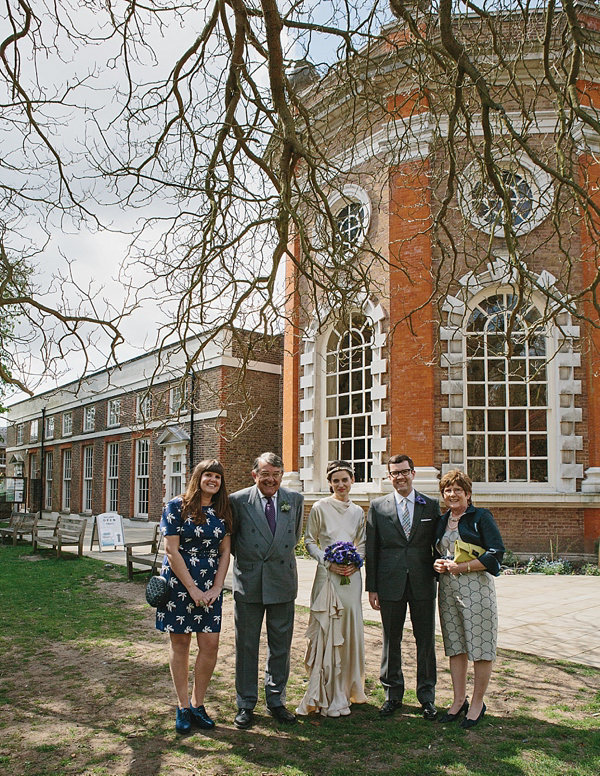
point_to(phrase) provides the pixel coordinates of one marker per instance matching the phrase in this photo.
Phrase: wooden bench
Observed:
(70, 531)
(45, 526)
(14, 528)
(150, 558)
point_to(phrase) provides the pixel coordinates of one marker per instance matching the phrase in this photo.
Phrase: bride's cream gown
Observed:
(335, 657)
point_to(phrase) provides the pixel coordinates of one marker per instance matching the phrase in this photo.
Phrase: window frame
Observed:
(67, 478)
(87, 479)
(89, 418)
(113, 410)
(142, 477)
(113, 463)
(67, 416)
(49, 469)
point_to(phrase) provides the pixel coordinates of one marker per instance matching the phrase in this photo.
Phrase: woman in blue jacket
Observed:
(467, 596)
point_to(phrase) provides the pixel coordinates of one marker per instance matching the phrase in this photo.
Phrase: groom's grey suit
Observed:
(265, 580)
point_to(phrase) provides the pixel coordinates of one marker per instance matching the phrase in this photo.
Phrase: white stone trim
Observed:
(313, 450)
(563, 471)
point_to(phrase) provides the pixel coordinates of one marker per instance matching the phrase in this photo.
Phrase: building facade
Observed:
(125, 439)
(478, 372)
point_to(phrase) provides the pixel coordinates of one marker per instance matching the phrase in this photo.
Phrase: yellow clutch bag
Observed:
(463, 551)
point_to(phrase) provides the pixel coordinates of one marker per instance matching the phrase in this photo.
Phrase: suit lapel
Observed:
(257, 514)
(417, 514)
(390, 511)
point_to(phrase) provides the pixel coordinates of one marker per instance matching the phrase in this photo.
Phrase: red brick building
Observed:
(125, 439)
(424, 368)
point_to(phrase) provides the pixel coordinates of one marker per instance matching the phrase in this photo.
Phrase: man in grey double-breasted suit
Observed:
(267, 525)
(399, 573)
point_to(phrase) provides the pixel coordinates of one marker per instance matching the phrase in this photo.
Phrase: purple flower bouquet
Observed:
(344, 554)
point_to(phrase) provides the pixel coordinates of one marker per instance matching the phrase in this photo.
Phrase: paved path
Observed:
(549, 616)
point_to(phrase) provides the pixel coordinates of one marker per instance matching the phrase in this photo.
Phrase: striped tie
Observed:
(405, 518)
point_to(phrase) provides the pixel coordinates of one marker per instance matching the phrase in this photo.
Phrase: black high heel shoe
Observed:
(451, 717)
(466, 724)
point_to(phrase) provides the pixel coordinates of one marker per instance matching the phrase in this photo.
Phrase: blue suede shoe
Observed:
(183, 722)
(201, 718)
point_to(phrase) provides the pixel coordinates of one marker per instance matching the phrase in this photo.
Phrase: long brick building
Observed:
(124, 439)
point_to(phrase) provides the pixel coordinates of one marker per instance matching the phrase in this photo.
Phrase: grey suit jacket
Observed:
(390, 556)
(264, 566)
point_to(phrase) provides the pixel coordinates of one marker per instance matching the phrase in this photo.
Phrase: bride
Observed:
(335, 656)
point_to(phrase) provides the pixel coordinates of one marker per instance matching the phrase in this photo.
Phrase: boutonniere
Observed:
(419, 499)
(285, 506)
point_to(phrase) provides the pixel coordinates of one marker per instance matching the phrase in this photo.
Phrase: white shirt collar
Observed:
(410, 498)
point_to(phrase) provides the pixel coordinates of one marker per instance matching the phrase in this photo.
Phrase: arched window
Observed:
(348, 404)
(506, 397)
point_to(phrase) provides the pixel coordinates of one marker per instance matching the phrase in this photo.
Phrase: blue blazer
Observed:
(477, 526)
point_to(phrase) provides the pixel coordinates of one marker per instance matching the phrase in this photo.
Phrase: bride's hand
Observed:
(344, 570)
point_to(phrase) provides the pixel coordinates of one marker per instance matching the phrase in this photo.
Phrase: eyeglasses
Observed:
(269, 475)
(403, 473)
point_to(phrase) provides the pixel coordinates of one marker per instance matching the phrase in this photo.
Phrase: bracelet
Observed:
(469, 566)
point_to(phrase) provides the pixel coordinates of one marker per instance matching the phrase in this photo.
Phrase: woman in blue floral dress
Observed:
(197, 528)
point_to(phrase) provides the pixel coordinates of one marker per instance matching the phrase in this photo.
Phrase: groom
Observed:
(399, 574)
(267, 525)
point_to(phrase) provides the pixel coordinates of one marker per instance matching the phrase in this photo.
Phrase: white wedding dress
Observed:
(335, 656)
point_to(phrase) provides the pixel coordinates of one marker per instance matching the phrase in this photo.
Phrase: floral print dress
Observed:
(199, 548)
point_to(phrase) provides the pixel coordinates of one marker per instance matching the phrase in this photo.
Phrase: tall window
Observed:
(507, 397)
(144, 408)
(33, 431)
(20, 429)
(89, 418)
(49, 468)
(175, 477)
(112, 477)
(348, 394)
(177, 398)
(88, 474)
(66, 476)
(114, 412)
(142, 476)
(50, 428)
(67, 423)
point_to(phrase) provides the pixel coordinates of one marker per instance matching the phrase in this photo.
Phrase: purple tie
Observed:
(270, 513)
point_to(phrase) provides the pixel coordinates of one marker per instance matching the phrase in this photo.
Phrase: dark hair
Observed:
(338, 466)
(192, 498)
(401, 459)
(269, 458)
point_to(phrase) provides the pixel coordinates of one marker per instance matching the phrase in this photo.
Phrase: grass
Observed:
(84, 684)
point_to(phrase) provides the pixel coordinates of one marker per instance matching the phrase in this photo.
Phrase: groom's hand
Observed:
(374, 601)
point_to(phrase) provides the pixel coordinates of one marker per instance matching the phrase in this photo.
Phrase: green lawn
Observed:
(85, 689)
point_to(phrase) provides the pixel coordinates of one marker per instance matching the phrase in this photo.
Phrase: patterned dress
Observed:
(199, 548)
(468, 611)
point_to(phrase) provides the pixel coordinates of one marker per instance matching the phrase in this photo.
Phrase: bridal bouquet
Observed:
(344, 554)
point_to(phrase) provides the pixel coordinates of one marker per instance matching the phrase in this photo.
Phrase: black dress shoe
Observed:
(429, 711)
(281, 714)
(244, 719)
(200, 718)
(389, 707)
(451, 717)
(466, 724)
